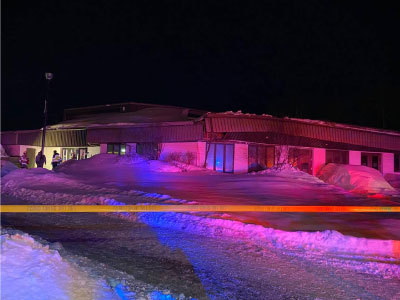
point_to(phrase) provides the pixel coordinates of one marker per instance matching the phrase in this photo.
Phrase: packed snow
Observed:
(356, 179)
(30, 270)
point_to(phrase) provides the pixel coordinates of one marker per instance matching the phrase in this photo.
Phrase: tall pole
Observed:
(48, 76)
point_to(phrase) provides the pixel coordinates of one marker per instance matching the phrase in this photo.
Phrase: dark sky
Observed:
(329, 60)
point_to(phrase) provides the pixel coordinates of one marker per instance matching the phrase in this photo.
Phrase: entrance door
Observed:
(220, 157)
(31, 153)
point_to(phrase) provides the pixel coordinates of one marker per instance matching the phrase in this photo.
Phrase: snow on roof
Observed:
(239, 113)
(142, 116)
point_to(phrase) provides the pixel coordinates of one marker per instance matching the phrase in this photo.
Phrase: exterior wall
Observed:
(355, 158)
(13, 150)
(93, 151)
(201, 153)
(103, 148)
(241, 158)
(318, 160)
(181, 148)
(387, 163)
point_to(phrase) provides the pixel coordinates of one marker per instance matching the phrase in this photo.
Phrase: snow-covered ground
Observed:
(30, 270)
(110, 179)
(373, 239)
(184, 264)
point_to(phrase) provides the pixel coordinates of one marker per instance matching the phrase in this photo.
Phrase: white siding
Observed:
(355, 158)
(387, 163)
(103, 148)
(92, 150)
(201, 153)
(241, 159)
(181, 148)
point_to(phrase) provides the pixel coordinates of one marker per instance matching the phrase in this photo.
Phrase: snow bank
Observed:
(33, 271)
(324, 241)
(288, 171)
(105, 162)
(7, 167)
(393, 179)
(357, 179)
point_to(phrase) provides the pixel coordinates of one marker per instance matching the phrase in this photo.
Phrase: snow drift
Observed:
(105, 162)
(357, 179)
(31, 271)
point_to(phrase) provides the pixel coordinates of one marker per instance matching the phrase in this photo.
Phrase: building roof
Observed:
(325, 132)
(125, 114)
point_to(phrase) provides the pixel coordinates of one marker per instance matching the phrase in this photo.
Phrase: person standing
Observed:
(24, 161)
(40, 160)
(56, 159)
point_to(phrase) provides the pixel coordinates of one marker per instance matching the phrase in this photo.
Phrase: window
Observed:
(372, 160)
(397, 162)
(261, 157)
(118, 149)
(220, 157)
(74, 153)
(337, 157)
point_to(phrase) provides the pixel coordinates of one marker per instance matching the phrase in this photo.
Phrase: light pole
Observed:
(48, 77)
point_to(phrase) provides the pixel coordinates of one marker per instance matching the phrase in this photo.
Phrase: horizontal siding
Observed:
(54, 138)
(295, 128)
(176, 133)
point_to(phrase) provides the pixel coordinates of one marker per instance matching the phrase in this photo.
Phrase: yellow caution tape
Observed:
(193, 208)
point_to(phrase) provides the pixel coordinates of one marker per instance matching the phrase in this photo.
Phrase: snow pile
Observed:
(37, 176)
(103, 162)
(393, 179)
(7, 167)
(323, 241)
(357, 179)
(288, 171)
(31, 271)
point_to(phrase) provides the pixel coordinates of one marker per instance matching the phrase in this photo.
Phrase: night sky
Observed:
(327, 60)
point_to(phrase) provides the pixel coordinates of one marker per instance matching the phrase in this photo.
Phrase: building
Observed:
(226, 142)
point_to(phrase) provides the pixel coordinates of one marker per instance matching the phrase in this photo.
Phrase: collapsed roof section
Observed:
(271, 130)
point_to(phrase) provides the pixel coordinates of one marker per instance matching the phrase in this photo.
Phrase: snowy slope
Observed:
(32, 271)
(114, 180)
